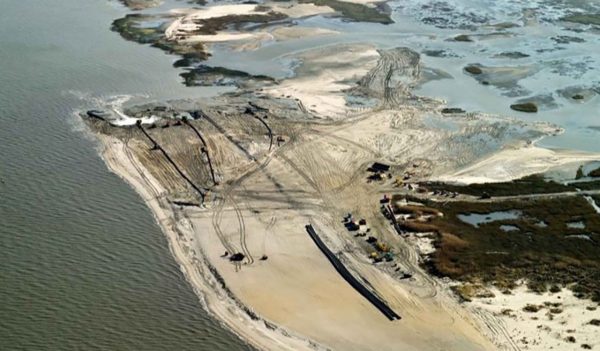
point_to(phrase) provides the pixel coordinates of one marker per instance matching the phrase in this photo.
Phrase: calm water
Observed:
(83, 266)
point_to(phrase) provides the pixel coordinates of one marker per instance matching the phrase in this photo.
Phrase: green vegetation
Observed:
(473, 70)
(150, 29)
(570, 339)
(215, 24)
(463, 38)
(452, 110)
(131, 28)
(353, 11)
(532, 308)
(468, 291)
(594, 173)
(592, 185)
(511, 54)
(592, 18)
(208, 76)
(549, 255)
(528, 107)
(579, 173)
(534, 184)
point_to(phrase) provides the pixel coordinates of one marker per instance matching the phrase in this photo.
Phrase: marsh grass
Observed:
(545, 257)
(533, 184)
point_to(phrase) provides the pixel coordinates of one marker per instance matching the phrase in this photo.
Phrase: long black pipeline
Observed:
(251, 112)
(210, 166)
(343, 271)
(268, 128)
(164, 152)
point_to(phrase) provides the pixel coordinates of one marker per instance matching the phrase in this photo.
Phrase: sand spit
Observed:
(514, 163)
(347, 107)
(321, 91)
(216, 299)
(296, 288)
(183, 27)
(186, 27)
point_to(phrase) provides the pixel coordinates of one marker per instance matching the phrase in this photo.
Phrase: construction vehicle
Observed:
(398, 182)
(237, 257)
(382, 247)
(375, 257)
(386, 199)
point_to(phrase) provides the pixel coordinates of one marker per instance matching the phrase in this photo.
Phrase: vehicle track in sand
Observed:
(133, 161)
(228, 196)
(216, 215)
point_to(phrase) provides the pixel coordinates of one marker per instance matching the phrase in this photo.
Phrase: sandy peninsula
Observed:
(233, 182)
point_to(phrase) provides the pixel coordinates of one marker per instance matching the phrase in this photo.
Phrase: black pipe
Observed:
(268, 128)
(164, 152)
(343, 271)
(210, 166)
(249, 111)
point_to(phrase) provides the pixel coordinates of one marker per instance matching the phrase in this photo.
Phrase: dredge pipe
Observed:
(164, 152)
(343, 271)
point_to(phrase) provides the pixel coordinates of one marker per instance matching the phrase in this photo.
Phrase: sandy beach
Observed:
(234, 180)
(337, 318)
(295, 299)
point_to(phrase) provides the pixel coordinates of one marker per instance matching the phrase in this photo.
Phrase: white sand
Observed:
(182, 29)
(281, 33)
(220, 37)
(120, 161)
(297, 288)
(323, 76)
(423, 242)
(542, 330)
(514, 163)
(185, 24)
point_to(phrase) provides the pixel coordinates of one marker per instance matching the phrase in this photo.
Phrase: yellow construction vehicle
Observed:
(382, 247)
(398, 182)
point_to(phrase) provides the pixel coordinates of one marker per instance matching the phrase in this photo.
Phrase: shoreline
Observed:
(263, 200)
(214, 299)
(264, 333)
(196, 260)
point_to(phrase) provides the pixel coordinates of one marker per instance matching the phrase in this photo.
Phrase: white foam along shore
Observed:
(208, 287)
